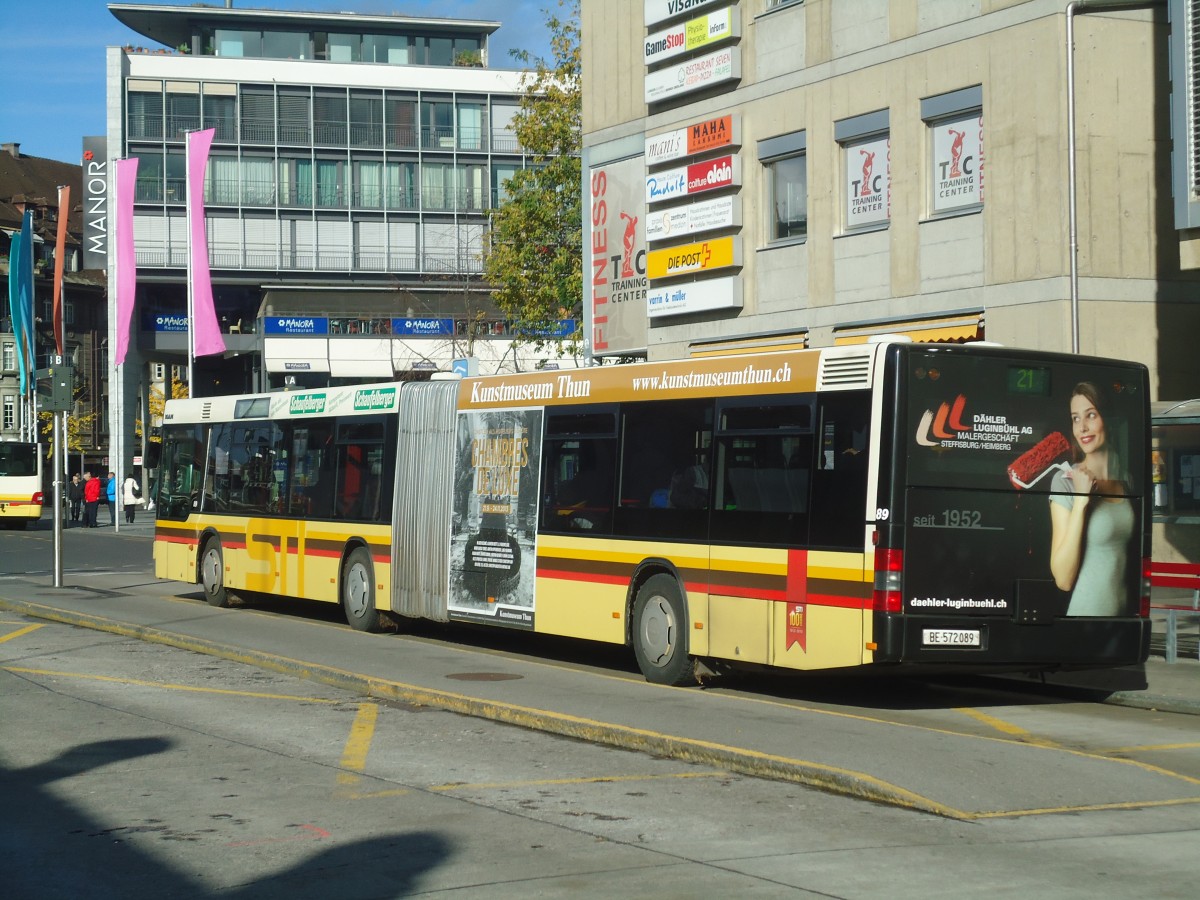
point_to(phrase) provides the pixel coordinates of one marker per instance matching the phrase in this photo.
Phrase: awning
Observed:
(958, 328)
(360, 357)
(296, 354)
(759, 343)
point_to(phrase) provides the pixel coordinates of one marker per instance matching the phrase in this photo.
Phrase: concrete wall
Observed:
(809, 65)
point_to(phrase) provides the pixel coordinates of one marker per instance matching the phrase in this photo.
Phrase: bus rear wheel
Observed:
(212, 573)
(358, 592)
(660, 633)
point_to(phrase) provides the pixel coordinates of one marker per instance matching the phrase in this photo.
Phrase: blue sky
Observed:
(53, 90)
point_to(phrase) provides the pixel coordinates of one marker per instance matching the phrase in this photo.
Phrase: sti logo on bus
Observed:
(375, 398)
(307, 405)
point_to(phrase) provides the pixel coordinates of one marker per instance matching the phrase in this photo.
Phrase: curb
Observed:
(738, 760)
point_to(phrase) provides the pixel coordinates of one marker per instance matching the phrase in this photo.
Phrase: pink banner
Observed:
(206, 332)
(125, 176)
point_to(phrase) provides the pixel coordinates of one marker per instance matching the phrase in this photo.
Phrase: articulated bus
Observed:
(20, 484)
(888, 505)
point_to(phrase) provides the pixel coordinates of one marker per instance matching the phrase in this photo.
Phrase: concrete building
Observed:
(815, 171)
(354, 163)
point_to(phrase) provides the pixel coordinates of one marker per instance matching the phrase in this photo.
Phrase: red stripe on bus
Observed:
(838, 601)
(1174, 568)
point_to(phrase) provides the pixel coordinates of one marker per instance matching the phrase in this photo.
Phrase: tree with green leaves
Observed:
(533, 252)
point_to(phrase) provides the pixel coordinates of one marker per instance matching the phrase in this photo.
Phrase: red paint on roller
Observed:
(1032, 465)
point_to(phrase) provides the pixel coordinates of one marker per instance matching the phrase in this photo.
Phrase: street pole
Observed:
(58, 456)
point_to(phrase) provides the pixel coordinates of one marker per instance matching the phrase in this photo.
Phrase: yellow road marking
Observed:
(20, 632)
(1147, 748)
(358, 744)
(164, 685)
(1016, 731)
(1098, 807)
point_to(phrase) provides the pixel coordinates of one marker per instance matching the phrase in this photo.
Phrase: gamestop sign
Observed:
(699, 178)
(696, 74)
(693, 34)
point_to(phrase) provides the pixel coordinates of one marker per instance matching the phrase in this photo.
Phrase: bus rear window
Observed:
(986, 423)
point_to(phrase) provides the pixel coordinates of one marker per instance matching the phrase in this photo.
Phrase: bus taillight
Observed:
(37, 498)
(1144, 599)
(886, 597)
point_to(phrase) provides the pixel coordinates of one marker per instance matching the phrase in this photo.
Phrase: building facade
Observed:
(31, 183)
(817, 171)
(354, 162)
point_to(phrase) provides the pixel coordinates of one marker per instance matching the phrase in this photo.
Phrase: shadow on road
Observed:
(52, 849)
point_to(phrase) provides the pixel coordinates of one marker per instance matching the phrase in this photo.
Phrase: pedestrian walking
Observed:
(75, 497)
(91, 499)
(131, 497)
(110, 494)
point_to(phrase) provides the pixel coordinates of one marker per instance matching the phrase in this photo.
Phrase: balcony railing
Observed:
(179, 126)
(366, 134)
(145, 128)
(258, 130)
(401, 137)
(437, 138)
(329, 134)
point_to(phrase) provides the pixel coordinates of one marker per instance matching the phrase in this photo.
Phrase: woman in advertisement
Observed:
(1090, 529)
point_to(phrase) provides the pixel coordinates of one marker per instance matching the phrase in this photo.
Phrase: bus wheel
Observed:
(212, 573)
(660, 633)
(358, 592)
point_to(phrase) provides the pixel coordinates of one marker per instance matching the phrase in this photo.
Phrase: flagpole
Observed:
(191, 298)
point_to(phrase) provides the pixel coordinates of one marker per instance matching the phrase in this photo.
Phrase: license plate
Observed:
(950, 637)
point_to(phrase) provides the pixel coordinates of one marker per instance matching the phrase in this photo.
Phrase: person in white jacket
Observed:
(131, 497)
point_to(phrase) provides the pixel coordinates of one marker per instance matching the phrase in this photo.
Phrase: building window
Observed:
(8, 357)
(145, 114)
(183, 109)
(785, 164)
(238, 43)
(220, 111)
(866, 170)
(10, 412)
(955, 126)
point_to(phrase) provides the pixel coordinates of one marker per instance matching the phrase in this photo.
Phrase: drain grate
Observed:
(484, 676)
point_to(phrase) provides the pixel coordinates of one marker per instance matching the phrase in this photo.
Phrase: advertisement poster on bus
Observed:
(1025, 488)
(493, 553)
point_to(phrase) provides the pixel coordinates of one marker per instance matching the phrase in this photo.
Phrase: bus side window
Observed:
(579, 485)
(840, 482)
(362, 482)
(312, 471)
(764, 471)
(665, 458)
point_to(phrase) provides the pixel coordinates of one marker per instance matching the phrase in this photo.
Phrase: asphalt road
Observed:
(131, 768)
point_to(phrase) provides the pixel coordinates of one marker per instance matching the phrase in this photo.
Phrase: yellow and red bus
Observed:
(886, 504)
(20, 484)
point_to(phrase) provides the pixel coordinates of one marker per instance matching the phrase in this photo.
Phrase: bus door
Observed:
(177, 497)
(763, 478)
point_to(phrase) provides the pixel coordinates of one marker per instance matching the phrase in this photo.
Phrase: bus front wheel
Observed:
(660, 633)
(358, 592)
(212, 573)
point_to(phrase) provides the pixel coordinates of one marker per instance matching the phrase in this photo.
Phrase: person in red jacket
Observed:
(91, 499)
